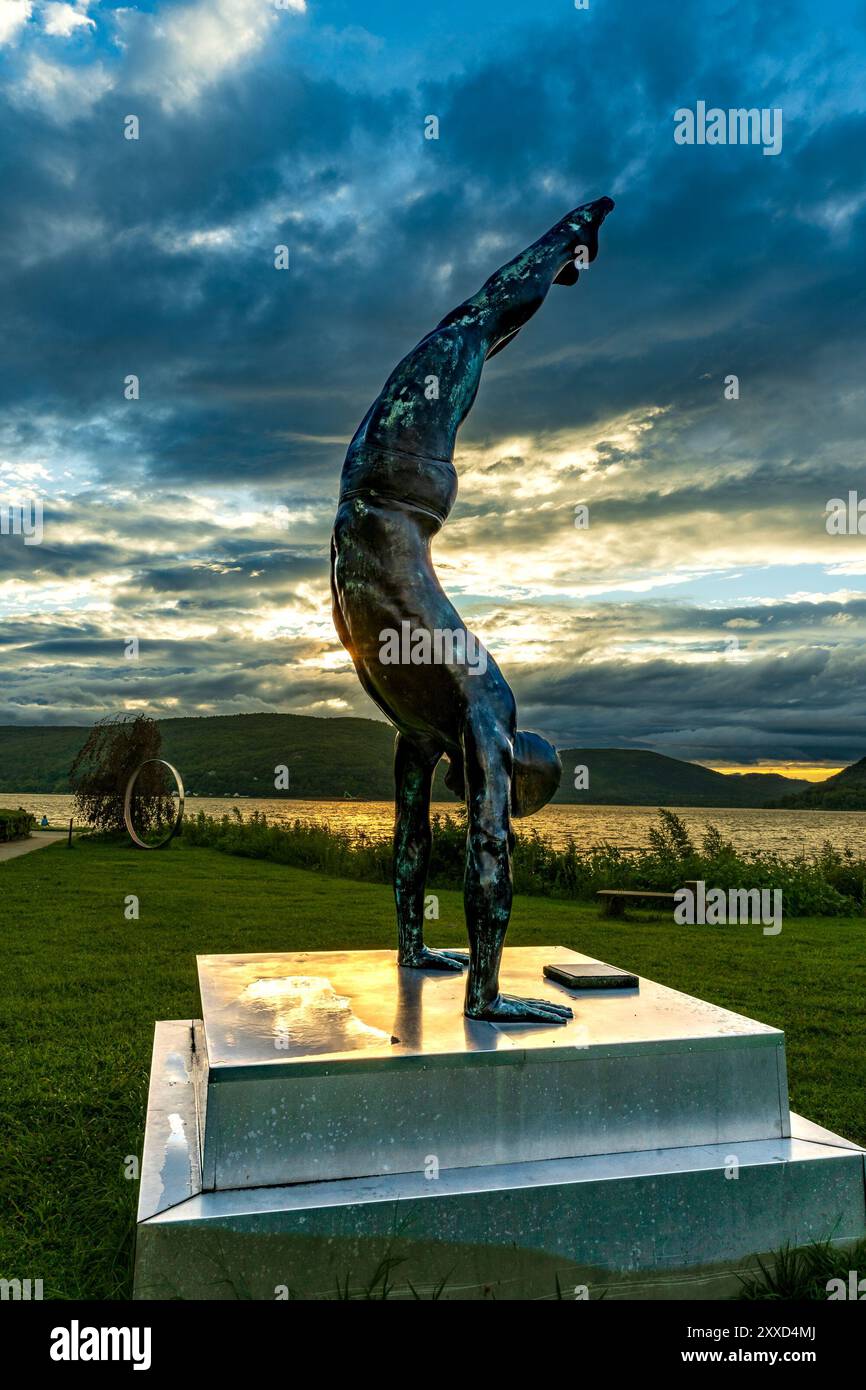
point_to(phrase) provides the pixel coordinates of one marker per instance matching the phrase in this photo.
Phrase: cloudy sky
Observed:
(704, 612)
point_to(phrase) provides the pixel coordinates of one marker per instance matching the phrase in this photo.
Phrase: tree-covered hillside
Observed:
(328, 758)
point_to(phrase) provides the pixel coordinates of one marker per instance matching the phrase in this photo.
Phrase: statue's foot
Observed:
(428, 959)
(507, 1008)
(579, 229)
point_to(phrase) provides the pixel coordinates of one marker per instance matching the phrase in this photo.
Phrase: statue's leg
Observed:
(408, 414)
(413, 770)
(487, 754)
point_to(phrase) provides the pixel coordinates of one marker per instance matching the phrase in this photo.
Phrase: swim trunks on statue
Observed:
(430, 484)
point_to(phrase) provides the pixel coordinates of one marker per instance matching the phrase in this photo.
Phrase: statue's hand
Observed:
(507, 1008)
(428, 959)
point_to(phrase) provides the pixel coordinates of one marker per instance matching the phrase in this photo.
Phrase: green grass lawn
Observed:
(82, 987)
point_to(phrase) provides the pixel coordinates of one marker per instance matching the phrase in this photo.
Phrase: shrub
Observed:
(16, 825)
(829, 883)
(112, 751)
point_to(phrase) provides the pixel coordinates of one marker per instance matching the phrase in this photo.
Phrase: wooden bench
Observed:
(615, 899)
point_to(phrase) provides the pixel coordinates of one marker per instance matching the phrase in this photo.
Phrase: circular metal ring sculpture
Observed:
(127, 805)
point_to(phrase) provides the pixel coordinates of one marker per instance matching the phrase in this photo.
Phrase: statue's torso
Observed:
(391, 506)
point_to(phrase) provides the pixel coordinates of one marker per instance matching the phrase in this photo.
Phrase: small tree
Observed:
(113, 749)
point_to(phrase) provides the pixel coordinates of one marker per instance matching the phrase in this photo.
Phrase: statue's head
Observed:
(537, 772)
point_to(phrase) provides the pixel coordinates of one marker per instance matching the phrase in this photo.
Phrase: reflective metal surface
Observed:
(171, 1166)
(323, 1066)
(127, 805)
(302, 1010)
(668, 1223)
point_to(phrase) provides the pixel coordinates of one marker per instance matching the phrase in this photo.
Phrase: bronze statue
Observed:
(413, 653)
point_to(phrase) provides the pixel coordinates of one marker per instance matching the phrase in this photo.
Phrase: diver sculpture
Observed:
(412, 652)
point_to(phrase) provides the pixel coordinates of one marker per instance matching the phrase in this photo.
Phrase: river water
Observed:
(785, 832)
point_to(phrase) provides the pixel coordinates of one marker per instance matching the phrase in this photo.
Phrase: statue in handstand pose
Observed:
(398, 486)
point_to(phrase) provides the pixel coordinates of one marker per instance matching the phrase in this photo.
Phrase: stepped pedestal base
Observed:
(295, 1149)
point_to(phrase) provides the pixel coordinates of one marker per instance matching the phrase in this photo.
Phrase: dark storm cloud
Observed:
(704, 256)
(808, 704)
(268, 571)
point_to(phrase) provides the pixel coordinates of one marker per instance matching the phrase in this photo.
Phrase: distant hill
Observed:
(330, 758)
(635, 777)
(227, 754)
(844, 791)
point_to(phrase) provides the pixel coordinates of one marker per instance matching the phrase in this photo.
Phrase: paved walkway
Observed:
(36, 841)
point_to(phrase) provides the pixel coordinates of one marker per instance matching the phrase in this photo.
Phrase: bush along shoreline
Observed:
(829, 882)
(15, 825)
